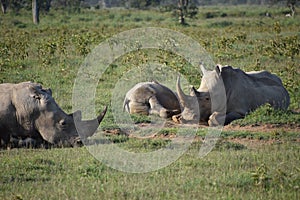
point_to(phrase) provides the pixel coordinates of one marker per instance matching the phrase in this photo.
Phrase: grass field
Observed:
(245, 164)
(265, 171)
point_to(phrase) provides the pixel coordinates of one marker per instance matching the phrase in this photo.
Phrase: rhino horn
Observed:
(102, 114)
(181, 95)
(204, 71)
(87, 128)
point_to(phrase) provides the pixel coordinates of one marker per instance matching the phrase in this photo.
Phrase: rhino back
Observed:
(266, 77)
(247, 91)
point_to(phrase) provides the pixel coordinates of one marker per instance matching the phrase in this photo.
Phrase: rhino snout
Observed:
(77, 142)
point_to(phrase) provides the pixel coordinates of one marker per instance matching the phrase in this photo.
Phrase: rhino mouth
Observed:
(77, 142)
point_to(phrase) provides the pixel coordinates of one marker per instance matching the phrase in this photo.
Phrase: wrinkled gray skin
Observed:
(242, 92)
(151, 98)
(29, 111)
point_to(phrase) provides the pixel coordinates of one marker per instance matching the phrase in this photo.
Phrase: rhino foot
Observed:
(216, 119)
(164, 113)
(175, 118)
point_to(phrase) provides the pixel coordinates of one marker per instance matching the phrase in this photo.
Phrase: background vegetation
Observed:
(262, 165)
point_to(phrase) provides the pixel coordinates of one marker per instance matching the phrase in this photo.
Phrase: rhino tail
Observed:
(126, 105)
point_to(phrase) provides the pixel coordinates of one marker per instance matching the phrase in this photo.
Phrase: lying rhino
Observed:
(151, 98)
(29, 111)
(242, 93)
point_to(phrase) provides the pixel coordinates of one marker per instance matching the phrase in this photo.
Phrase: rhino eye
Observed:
(62, 122)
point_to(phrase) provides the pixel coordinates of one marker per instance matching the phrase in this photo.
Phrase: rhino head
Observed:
(210, 97)
(196, 107)
(38, 113)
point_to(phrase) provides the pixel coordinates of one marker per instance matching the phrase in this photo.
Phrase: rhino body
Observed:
(151, 98)
(27, 110)
(245, 91)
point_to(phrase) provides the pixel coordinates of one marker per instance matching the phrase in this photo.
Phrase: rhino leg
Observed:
(4, 139)
(139, 108)
(178, 118)
(27, 142)
(164, 113)
(217, 118)
(232, 116)
(157, 109)
(169, 113)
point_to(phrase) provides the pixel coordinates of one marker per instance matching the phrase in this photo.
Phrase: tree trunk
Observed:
(181, 13)
(292, 8)
(182, 8)
(35, 11)
(48, 5)
(3, 6)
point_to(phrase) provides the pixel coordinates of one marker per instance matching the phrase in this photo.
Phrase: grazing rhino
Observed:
(151, 98)
(27, 110)
(226, 94)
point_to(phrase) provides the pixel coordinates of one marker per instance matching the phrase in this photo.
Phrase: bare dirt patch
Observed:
(263, 127)
(266, 128)
(248, 142)
(251, 128)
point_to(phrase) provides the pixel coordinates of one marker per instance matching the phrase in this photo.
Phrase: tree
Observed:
(46, 5)
(35, 11)
(182, 9)
(291, 4)
(3, 6)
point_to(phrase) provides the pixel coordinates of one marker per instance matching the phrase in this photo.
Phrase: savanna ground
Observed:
(255, 158)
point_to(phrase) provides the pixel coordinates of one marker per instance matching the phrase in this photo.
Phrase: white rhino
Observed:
(241, 91)
(27, 110)
(151, 98)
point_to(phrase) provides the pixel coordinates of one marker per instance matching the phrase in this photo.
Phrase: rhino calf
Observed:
(151, 98)
(242, 92)
(27, 110)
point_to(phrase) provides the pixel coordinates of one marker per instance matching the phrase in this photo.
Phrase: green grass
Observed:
(280, 135)
(52, 52)
(227, 172)
(268, 115)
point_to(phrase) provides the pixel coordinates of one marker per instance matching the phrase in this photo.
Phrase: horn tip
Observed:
(101, 116)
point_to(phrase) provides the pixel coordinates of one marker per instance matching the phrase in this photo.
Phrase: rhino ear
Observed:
(193, 91)
(48, 91)
(218, 69)
(34, 93)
